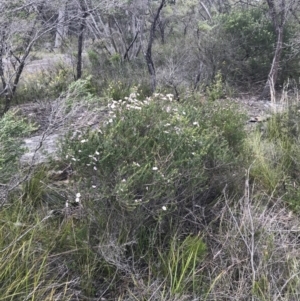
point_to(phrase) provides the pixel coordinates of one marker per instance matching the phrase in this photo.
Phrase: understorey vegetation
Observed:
(159, 187)
(164, 200)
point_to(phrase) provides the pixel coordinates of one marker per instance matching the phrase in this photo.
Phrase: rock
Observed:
(259, 118)
(39, 149)
(61, 175)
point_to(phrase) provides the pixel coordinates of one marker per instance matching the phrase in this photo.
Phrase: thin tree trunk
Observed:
(60, 29)
(130, 45)
(148, 55)
(82, 27)
(269, 88)
(29, 42)
(79, 50)
(9, 94)
(278, 20)
(1, 61)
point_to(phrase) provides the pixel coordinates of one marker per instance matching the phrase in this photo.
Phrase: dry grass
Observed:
(255, 251)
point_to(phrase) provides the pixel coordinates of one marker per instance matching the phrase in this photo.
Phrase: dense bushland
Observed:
(166, 200)
(153, 196)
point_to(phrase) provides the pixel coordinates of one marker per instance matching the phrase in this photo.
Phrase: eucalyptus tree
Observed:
(83, 14)
(148, 52)
(22, 25)
(61, 24)
(279, 13)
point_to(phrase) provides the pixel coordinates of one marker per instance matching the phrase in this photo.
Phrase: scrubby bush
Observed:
(44, 84)
(241, 45)
(116, 90)
(252, 38)
(154, 166)
(12, 128)
(158, 206)
(114, 77)
(154, 141)
(81, 89)
(216, 90)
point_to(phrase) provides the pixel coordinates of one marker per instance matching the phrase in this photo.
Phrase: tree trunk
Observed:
(269, 89)
(82, 27)
(278, 20)
(2, 52)
(60, 29)
(148, 55)
(126, 56)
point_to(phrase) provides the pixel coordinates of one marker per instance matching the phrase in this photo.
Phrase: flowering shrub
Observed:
(157, 154)
(149, 173)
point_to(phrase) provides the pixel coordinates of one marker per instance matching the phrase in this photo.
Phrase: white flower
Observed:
(164, 208)
(196, 123)
(123, 180)
(168, 109)
(78, 195)
(154, 168)
(73, 159)
(95, 168)
(79, 151)
(97, 153)
(67, 203)
(18, 224)
(94, 186)
(83, 140)
(110, 120)
(170, 96)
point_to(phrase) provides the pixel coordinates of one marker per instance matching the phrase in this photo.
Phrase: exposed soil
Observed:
(258, 108)
(53, 123)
